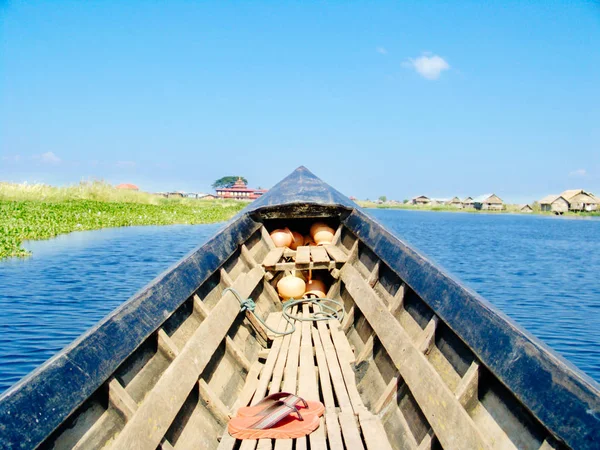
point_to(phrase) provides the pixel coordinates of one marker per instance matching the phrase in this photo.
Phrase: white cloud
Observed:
(428, 66)
(381, 50)
(47, 158)
(578, 173)
(125, 164)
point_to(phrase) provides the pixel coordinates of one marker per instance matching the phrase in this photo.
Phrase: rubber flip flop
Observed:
(284, 422)
(267, 405)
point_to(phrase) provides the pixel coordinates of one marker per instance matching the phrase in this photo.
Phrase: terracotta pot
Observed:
(317, 226)
(315, 288)
(324, 236)
(298, 240)
(291, 287)
(282, 237)
(322, 233)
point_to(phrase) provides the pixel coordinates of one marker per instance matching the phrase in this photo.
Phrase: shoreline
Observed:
(512, 209)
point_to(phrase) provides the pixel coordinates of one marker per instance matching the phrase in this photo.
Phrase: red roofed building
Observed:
(239, 191)
(128, 186)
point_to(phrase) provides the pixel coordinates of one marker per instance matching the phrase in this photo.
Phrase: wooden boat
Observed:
(418, 362)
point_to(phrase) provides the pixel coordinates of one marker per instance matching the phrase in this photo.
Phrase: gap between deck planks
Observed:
(290, 367)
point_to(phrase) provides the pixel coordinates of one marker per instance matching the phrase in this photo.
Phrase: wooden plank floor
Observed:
(313, 362)
(316, 257)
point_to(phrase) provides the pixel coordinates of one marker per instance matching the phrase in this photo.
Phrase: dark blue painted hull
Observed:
(564, 400)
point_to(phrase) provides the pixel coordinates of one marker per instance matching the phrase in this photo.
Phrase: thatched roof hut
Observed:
(421, 200)
(468, 202)
(525, 208)
(548, 199)
(488, 202)
(554, 203)
(570, 193)
(455, 202)
(575, 199)
(580, 200)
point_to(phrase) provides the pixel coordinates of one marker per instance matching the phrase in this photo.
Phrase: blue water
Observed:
(543, 272)
(73, 281)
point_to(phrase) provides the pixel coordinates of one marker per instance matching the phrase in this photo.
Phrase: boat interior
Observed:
(391, 374)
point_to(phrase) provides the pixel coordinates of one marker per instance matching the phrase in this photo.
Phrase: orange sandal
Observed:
(266, 406)
(278, 424)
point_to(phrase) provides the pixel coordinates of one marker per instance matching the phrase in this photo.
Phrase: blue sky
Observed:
(377, 98)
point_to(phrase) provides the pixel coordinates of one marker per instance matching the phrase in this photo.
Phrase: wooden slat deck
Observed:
(317, 257)
(314, 363)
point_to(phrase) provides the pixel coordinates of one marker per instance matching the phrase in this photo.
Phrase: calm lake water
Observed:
(543, 272)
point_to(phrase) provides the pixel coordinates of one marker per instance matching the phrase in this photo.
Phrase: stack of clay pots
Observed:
(295, 286)
(320, 234)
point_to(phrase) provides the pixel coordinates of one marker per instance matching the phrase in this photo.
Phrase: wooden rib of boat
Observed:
(418, 362)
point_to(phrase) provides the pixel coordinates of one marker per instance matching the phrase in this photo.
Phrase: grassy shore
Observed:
(32, 212)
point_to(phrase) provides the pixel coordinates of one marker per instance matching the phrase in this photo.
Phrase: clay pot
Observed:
(322, 233)
(315, 288)
(297, 241)
(317, 226)
(308, 240)
(323, 237)
(291, 287)
(282, 237)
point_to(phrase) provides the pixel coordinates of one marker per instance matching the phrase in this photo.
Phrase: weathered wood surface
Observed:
(373, 431)
(277, 376)
(308, 386)
(309, 265)
(266, 238)
(247, 257)
(249, 387)
(303, 255)
(336, 253)
(267, 371)
(214, 403)
(389, 394)
(338, 235)
(319, 254)
(273, 257)
(154, 416)
(334, 433)
(451, 423)
(121, 400)
(237, 354)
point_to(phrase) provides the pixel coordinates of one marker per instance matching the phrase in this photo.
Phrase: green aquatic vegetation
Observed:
(22, 220)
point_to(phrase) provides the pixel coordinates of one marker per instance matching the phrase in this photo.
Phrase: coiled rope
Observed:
(325, 310)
